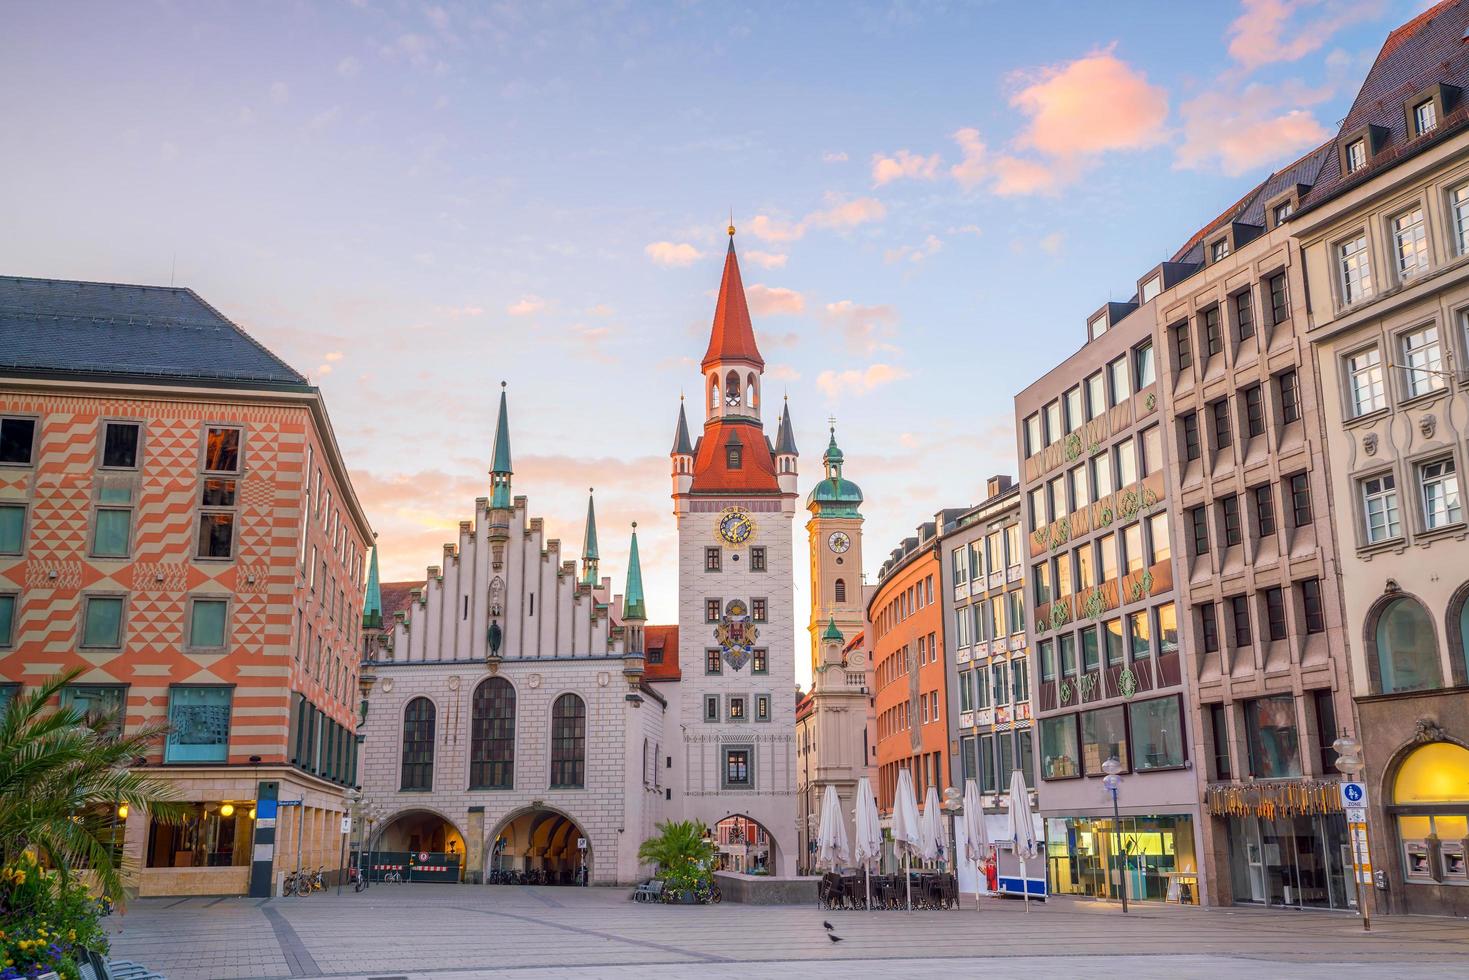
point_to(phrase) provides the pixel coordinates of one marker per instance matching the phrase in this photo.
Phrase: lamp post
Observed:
(1349, 761)
(1113, 781)
(353, 798)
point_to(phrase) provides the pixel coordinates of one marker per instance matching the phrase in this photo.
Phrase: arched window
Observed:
(1407, 655)
(1459, 636)
(732, 395)
(751, 394)
(568, 743)
(1430, 795)
(492, 735)
(713, 391)
(841, 590)
(418, 745)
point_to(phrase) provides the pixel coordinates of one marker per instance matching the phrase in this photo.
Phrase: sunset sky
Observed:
(413, 201)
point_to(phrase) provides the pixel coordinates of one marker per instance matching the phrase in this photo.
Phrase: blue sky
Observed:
(413, 201)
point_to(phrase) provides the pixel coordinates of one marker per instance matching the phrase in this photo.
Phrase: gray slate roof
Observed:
(154, 334)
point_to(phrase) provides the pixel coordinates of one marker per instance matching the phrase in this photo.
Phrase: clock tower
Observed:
(734, 499)
(835, 532)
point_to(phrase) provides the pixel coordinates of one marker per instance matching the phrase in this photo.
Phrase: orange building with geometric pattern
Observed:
(177, 523)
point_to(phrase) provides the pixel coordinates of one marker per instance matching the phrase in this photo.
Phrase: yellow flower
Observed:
(20, 877)
(71, 935)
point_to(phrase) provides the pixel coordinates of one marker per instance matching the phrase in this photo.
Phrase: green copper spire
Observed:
(589, 554)
(831, 634)
(372, 605)
(500, 469)
(632, 600)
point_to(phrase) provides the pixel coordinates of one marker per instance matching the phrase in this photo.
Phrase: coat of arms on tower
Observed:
(736, 635)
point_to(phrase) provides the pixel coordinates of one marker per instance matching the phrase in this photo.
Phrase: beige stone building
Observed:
(1385, 237)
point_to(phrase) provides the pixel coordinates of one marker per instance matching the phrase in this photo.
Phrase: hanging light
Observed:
(252, 813)
(122, 811)
(227, 810)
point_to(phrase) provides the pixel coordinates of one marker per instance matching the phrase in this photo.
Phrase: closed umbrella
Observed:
(905, 825)
(831, 839)
(974, 833)
(1022, 829)
(930, 827)
(868, 846)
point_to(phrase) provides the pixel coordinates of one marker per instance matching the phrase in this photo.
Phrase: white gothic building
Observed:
(521, 716)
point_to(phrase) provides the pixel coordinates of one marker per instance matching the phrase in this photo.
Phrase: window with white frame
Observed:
(1422, 361)
(1074, 416)
(1410, 243)
(1219, 250)
(1356, 155)
(1380, 508)
(1365, 371)
(1355, 269)
(1096, 395)
(1459, 206)
(1439, 486)
(1425, 117)
(1283, 211)
(1152, 288)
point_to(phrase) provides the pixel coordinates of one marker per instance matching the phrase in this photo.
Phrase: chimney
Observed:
(996, 485)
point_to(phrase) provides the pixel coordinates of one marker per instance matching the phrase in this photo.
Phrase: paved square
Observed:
(450, 932)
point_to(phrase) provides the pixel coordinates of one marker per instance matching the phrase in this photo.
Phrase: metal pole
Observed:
(1362, 893)
(300, 832)
(1117, 829)
(342, 863)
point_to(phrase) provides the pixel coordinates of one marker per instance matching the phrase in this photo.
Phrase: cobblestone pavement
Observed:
(446, 932)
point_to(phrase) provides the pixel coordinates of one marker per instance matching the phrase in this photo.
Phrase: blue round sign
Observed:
(1353, 792)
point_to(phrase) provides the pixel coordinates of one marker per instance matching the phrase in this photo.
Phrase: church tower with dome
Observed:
(734, 497)
(835, 533)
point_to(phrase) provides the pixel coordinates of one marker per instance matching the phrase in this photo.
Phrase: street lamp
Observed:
(1113, 781)
(1349, 762)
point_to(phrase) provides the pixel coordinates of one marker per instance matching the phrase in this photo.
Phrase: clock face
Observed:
(735, 526)
(839, 541)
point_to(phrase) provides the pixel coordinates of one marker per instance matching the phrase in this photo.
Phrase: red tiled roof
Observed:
(663, 638)
(853, 644)
(396, 598)
(733, 337)
(712, 472)
(805, 705)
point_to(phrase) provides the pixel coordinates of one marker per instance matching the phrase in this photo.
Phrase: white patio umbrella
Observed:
(831, 839)
(868, 846)
(975, 836)
(1022, 829)
(930, 827)
(905, 825)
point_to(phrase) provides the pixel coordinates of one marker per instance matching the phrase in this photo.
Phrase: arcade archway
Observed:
(539, 846)
(744, 845)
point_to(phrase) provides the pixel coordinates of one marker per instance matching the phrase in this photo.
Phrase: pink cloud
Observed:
(673, 253)
(1092, 105)
(526, 305)
(904, 165)
(774, 300)
(1268, 31)
(913, 253)
(766, 260)
(974, 168)
(775, 230)
(835, 384)
(1016, 176)
(863, 327)
(1238, 132)
(839, 214)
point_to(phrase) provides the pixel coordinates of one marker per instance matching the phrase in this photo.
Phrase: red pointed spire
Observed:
(733, 337)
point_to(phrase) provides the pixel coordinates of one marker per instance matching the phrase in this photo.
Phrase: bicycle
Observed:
(393, 877)
(318, 880)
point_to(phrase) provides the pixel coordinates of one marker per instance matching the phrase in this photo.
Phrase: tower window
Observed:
(841, 590)
(757, 559)
(734, 455)
(732, 395)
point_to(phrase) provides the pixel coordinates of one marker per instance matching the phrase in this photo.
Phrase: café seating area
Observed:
(934, 890)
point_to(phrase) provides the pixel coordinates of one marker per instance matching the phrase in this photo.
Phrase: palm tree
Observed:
(680, 851)
(63, 773)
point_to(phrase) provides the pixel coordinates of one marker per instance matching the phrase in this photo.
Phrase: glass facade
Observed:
(1088, 856)
(1303, 861)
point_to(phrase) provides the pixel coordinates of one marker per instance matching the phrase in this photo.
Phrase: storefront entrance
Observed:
(1088, 856)
(1303, 861)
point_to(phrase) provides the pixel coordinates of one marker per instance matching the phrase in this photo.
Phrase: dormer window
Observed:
(1425, 117)
(1152, 288)
(1097, 326)
(1219, 250)
(1356, 155)
(734, 457)
(1283, 211)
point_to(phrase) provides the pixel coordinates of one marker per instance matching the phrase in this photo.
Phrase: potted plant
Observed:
(681, 855)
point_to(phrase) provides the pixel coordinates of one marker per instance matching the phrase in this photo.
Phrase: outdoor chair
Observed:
(649, 891)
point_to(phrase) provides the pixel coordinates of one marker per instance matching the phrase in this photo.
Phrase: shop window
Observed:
(1433, 780)
(199, 724)
(1407, 652)
(1103, 736)
(208, 835)
(1273, 739)
(1060, 751)
(1157, 734)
